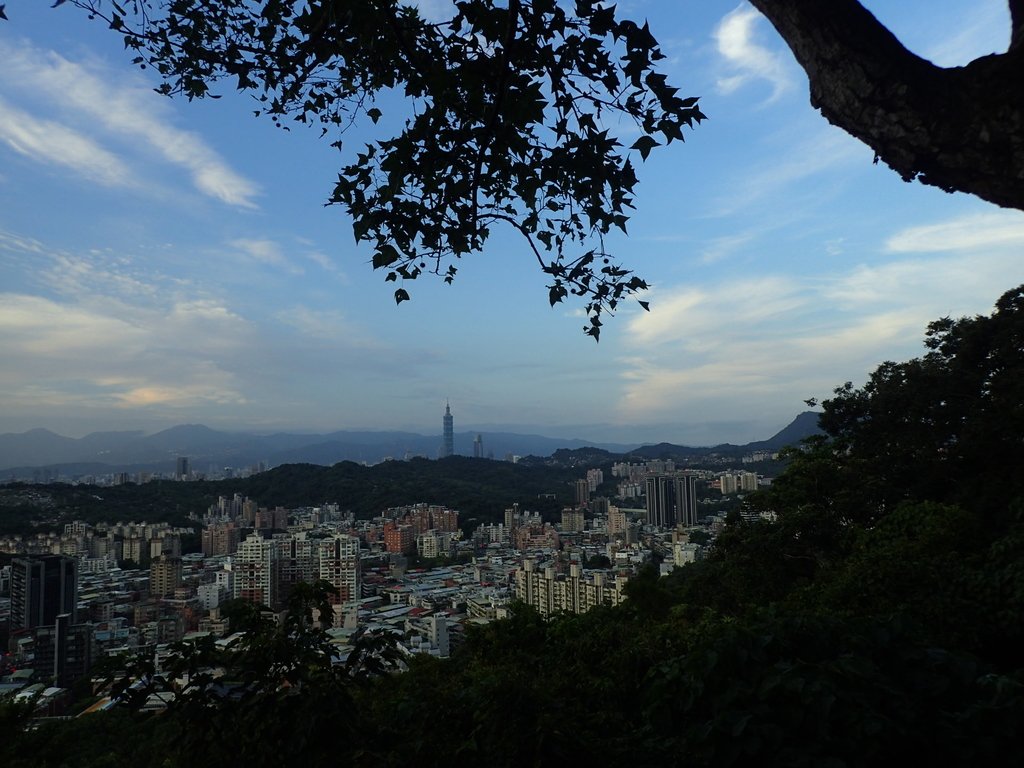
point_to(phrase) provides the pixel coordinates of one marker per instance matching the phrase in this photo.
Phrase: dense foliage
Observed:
(480, 489)
(879, 619)
(503, 119)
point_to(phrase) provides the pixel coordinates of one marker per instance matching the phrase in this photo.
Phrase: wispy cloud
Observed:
(734, 346)
(266, 252)
(109, 353)
(788, 169)
(722, 247)
(104, 332)
(975, 232)
(56, 144)
(324, 262)
(746, 58)
(121, 107)
(95, 329)
(325, 326)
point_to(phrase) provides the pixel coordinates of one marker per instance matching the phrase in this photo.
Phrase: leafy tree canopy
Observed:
(506, 117)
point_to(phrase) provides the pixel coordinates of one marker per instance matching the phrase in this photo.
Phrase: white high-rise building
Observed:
(339, 565)
(255, 576)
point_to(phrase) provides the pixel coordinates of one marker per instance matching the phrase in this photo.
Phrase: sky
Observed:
(166, 262)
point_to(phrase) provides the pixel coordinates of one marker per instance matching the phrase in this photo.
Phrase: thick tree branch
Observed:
(959, 129)
(1016, 24)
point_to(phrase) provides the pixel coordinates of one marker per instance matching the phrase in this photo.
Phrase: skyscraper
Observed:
(686, 499)
(661, 501)
(478, 447)
(448, 447)
(671, 499)
(42, 588)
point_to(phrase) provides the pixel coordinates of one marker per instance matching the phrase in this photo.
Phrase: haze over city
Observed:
(167, 262)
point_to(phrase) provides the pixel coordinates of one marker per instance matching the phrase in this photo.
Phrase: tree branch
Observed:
(1016, 24)
(959, 129)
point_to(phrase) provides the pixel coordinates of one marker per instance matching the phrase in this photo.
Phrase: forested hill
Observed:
(479, 488)
(476, 487)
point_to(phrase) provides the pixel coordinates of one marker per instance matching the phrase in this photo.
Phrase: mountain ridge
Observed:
(40, 449)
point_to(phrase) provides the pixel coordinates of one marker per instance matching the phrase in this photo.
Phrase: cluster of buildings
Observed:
(92, 591)
(183, 471)
(102, 547)
(633, 478)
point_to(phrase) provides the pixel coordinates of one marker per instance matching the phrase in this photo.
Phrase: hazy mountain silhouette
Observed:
(20, 453)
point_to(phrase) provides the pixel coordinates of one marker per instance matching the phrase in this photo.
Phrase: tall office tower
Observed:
(42, 588)
(448, 448)
(164, 575)
(686, 499)
(255, 571)
(478, 447)
(182, 469)
(661, 502)
(339, 565)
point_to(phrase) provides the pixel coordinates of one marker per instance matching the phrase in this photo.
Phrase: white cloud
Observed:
(324, 325)
(40, 326)
(747, 59)
(973, 232)
(131, 110)
(722, 247)
(52, 143)
(266, 252)
(739, 345)
(694, 316)
(105, 353)
(788, 169)
(321, 260)
(9, 241)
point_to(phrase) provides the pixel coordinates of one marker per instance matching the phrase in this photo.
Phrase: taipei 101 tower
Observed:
(448, 448)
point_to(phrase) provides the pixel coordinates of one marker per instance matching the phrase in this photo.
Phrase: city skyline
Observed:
(166, 262)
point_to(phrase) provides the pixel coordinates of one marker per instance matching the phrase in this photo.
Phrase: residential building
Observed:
(255, 576)
(164, 575)
(339, 565)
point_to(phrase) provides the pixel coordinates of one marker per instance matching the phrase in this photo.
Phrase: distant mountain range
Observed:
(103, 452)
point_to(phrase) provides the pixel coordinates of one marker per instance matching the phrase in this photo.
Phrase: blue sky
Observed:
(166, 262)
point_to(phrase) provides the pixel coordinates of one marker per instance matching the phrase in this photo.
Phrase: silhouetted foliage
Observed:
(503, 124)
